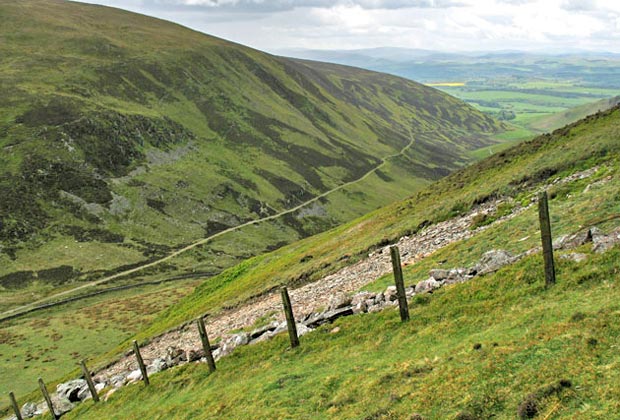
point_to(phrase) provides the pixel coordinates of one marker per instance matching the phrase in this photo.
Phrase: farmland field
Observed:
(535, 92)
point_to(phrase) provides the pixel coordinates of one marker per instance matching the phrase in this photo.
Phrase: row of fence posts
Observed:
(547, 247)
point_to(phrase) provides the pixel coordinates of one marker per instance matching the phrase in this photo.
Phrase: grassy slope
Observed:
(162, 135)
(471, 350)
(376, 367)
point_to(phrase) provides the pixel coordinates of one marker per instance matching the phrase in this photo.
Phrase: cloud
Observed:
(579, 5)
(444, 25)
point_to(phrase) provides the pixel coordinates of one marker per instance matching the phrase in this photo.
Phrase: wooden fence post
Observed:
(48, 400)
(290, 319)
(205, 344)
(18, 413)
(145, 375)
(545, 234)
(400, 284)
(89, 381)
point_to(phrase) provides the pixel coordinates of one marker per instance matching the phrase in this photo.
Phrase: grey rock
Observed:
(175, 356)
(62, 405)
(262, 330)
(603, 242)
(427, 285)
(339, 300)
(493, 260)
(391, 294)
(194, 355)
(29, 409)
(438, 274)
(240, 339)
(302, 329)
(361, 297)
(379, 297)
(157, 366)
(71, 390)
(118, 381)
(376, 308)
(134, 375)
(329, 316)
(360, 307)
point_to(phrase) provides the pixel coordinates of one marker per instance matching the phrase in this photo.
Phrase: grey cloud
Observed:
(579, 5)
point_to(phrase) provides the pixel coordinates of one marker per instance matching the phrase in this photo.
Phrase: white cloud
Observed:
(431, 24)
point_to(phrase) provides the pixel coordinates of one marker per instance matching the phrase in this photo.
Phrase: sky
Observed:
(439, 25)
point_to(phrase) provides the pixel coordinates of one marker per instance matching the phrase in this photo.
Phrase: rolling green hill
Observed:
(123, 138)
(501, 346)
(555, 121)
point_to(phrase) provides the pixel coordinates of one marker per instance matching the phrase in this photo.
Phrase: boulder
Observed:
(157, 366)
(438, 274)
(302, 329)
(379, 298)
(493, 260)
(360, 307)
(262, 330)
(603, 242)
(573, 241)
(71, 390)
(427, 285)
(195, 355)
(62, 405)
(175, 356)
(118, 381)
(134, 375)
(361, 297)
(328, 316)
(391, 294)
(338, 300)
(29, 410)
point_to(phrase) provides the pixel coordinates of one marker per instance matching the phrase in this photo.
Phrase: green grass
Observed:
(51, 343)
(479, 348)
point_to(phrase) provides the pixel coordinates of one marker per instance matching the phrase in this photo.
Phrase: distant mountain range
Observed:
(430, 66)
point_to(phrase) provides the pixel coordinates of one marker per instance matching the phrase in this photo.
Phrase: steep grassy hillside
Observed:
(499, 346)
(124, 137)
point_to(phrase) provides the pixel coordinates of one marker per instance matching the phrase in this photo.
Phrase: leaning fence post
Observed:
(205, 344)
(290, 319)
(136, 350)
(400, 284)
(545, 234)
(89, 381)
(48, 400)
(18, 413)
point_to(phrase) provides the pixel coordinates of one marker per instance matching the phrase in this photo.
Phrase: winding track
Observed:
(29, 307)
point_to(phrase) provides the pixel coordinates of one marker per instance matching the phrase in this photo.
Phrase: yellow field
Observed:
(449, 84)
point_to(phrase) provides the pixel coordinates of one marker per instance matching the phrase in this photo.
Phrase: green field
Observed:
(537, 106)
